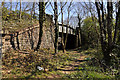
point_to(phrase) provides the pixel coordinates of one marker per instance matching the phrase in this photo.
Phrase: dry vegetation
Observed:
(73, 64)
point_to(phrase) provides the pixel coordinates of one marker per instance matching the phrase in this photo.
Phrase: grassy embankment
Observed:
(72, 64)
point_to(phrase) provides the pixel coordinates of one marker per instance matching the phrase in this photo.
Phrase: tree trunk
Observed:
(16, 6)
(103, 43)
(10, 6)
(41, 21)
(20, 10)
(103, 21)
(34, 11)
(3, 3)
(79, 32)
(109, 30)
(67, 28)
(33, 8)
(62, 40)
(67, 24)
(56, 27)
(117, 24)
(119, 37)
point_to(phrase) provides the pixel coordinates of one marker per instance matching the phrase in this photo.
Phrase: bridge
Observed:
(72, 39)
(27, 38)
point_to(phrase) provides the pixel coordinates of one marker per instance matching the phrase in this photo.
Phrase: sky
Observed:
(49, 10)
(59, 0)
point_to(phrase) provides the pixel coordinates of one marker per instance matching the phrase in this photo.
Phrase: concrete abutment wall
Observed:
(27, 38)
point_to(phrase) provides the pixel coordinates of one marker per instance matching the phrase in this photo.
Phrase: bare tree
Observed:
(81, 13)
(32, 10)
(62, 40)
(10, 6)
(16, 5)
(3, 3)
(41, 20)
(68, 10)
(109, 30)
(109, 45)
(117, 22)
(103, 45)
(56, 26)
(79, 31)
(20, 10)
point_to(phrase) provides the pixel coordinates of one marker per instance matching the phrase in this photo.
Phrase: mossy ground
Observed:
(72, 64)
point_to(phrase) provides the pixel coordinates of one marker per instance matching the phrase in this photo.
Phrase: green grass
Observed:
(55, 65)
(15, 25)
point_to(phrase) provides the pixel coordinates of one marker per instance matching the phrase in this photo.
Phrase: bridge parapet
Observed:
(70, 29)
